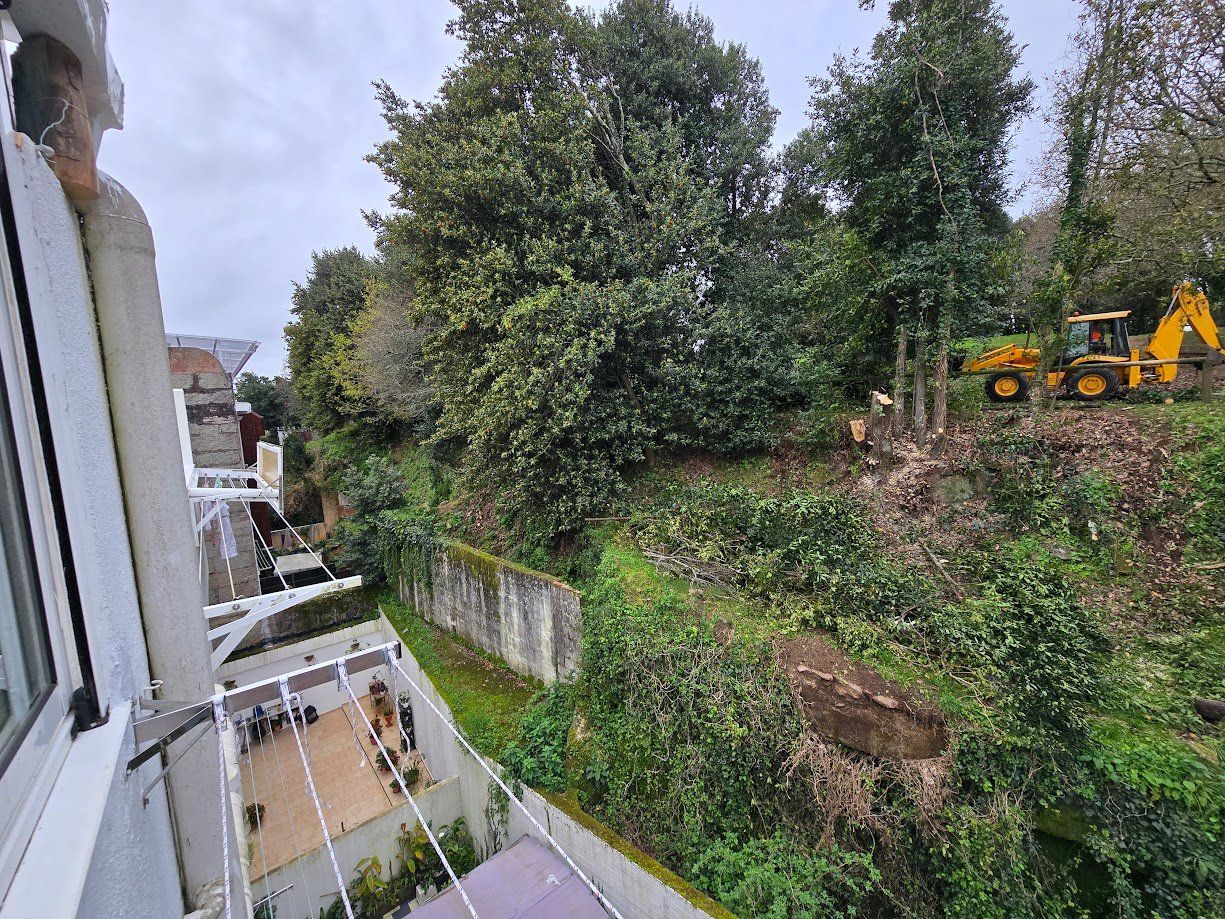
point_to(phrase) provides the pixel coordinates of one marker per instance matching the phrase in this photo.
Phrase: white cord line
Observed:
(63, 115)
(342, 677)
(260, 537)
(221, 722)
(612, 910)
(305, 545)
(293, 827)
(287, 701)
(259, 823)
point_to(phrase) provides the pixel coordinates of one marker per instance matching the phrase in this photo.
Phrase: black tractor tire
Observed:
(1092, 384)
(1007, 386)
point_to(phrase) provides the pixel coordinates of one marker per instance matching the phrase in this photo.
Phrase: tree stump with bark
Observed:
(880, 429)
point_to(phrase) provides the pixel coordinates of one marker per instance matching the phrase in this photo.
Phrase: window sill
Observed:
(50, 880)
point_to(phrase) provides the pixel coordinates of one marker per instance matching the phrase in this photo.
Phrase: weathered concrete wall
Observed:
(93, 868)
(530, 620)
(215, 442)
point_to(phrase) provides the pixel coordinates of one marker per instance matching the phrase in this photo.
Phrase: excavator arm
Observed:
(1188, 307)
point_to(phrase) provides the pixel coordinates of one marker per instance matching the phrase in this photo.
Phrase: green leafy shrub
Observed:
(986, 866)
(781, 877)
(538, 755)
(1028, 630)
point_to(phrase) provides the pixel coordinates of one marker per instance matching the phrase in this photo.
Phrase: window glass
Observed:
(1078, 340)
(26, 673)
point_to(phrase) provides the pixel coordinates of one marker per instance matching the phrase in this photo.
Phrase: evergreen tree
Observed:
(319, 340)
(554, 249)
(912, 140)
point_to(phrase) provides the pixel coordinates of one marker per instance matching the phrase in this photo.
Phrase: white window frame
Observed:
(28, 777)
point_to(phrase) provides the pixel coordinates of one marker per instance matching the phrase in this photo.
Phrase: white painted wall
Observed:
(270, 664)
(313, 873)
(66, 331)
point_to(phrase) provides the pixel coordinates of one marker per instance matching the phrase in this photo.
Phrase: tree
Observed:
(660, 71)
(320, 337)
(1140, 157)
(912, 142)
(269, 398)
(662, 67)
(554, 251)
(390, 342)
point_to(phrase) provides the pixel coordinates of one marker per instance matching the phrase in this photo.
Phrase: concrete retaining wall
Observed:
(529, 619)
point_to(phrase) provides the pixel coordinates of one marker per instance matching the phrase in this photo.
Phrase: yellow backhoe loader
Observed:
(1097, 341)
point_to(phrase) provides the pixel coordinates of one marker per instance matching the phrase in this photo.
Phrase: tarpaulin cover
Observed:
(527, 881)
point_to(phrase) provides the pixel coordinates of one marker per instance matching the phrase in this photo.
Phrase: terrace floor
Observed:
(351, 790)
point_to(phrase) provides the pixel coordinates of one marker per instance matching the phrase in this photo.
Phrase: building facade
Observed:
(96, 548)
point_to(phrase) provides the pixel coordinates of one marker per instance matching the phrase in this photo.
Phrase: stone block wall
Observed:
(529, 619)
(215, 442)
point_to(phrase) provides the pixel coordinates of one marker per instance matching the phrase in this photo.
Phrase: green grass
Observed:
(486, 697)
(643, 585)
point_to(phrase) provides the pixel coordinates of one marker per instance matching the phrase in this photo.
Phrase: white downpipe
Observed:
(129, 307)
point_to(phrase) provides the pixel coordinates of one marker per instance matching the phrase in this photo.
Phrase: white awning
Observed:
(232, 352)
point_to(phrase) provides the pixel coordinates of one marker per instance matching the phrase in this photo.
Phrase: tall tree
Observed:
(663, 67)
(1140, 153)
(319, 338)
(270, 399)
(912, 142)
(659, 71)
(554, 249)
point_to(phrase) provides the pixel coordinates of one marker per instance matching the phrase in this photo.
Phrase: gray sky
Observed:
(246, 124)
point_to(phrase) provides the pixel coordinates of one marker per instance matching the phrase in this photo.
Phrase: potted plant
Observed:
(378, 689)
(387, 761)
(376, 732)
(411, 774)
(255, 814)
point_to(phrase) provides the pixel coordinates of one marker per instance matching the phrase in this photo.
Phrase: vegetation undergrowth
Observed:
(486, 697)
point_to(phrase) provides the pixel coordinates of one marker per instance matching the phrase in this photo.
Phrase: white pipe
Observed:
(129, 307)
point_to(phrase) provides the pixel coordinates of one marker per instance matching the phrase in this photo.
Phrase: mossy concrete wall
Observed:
(529, 619)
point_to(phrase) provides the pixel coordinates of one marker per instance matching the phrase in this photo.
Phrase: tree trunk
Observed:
(880, 426)
(899, 384)
(920, 386)
(648, 451)
(1211, 359)
(940, 394)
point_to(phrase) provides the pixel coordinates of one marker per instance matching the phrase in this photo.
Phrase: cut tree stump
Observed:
(1211, 359)
(880, 429)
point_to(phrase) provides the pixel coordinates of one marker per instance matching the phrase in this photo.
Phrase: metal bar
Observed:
(272, 896)
(151, 729)
(245, 697)
(234, 632)
(170, 765)
(249, 604)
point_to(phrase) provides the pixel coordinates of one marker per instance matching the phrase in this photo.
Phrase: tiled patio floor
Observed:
(350, 789)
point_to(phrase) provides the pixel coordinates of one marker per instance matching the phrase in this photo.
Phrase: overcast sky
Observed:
(246, 124)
